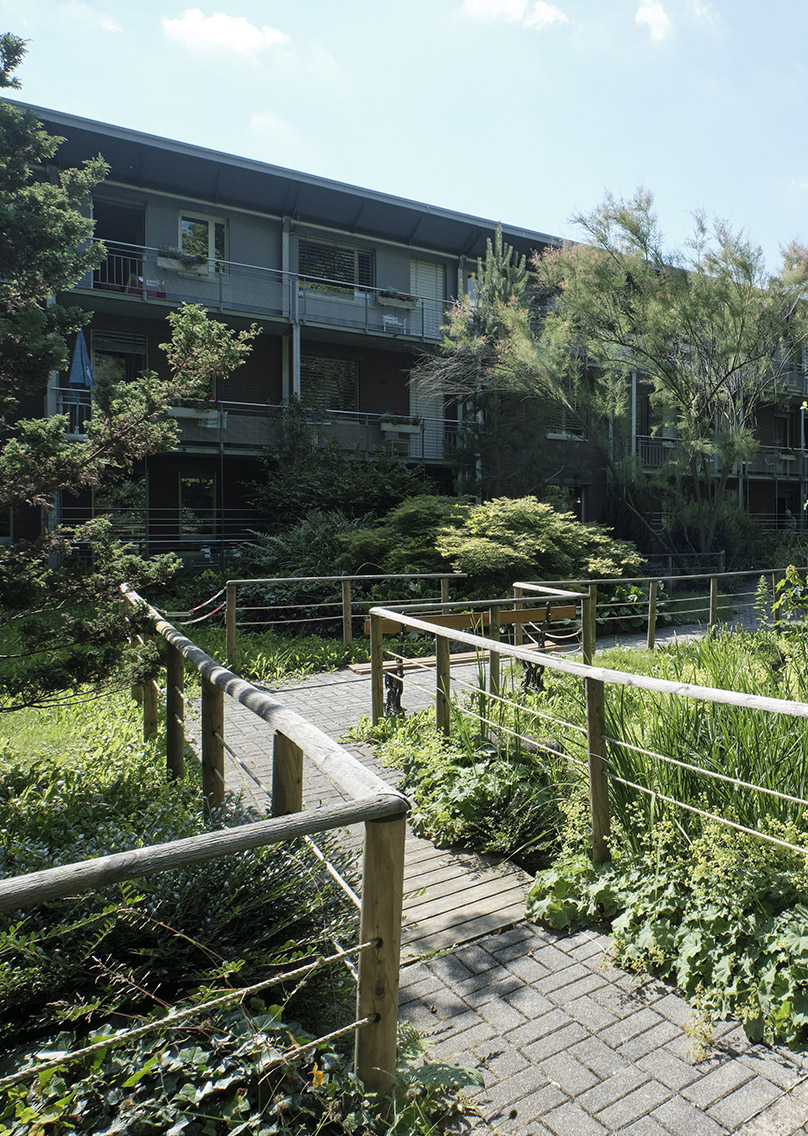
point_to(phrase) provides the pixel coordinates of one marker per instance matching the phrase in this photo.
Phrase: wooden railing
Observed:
(371, 802)
(595, 681)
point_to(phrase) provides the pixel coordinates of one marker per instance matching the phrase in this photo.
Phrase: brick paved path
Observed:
(569, 1045)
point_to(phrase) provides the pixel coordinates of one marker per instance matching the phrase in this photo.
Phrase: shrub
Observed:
(526, 539)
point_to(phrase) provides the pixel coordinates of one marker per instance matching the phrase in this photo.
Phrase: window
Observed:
(205, 237)
(118, 356)
(333, 269)
(329, 384)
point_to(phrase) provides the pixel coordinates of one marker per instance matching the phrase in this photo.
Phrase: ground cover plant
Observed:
(712, 908)
(80, 973)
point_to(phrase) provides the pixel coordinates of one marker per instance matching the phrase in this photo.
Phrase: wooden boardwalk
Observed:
(450, 898)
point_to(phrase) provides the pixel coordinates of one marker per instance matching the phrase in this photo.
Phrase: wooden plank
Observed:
(450, 897)
(424, 661)
(441, 939)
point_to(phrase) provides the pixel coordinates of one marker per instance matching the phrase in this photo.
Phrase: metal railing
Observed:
(143, 273)
(370, 801)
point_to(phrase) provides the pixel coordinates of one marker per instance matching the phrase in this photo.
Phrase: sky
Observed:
(521, 111)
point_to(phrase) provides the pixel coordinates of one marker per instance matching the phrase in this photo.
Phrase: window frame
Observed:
(215, 263)
(335, 287)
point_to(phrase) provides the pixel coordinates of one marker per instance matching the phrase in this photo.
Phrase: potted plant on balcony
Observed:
(171, 257)
(399, 424)
(392, 298)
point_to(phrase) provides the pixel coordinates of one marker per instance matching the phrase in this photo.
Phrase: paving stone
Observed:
(501, 1014)
(681, 1118)
(634, 1105)
(529, 1002)
(729, 1076)
(526, 1083)
(774, 1067)
(601, 1059)
(650, 1041)
(629, 1026)
(481, 993)
(571, 1075)
(569, 1119)
(613, 1088)
(535, 1029)
(645, 1126)
(561, 978)
(590, 1013)
(668, 1069)
(744, 1103)
(587, 984)
(553, 1042)
(532, 1110)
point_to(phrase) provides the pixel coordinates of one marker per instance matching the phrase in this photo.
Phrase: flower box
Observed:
(396, 302)
(400, 424)
(177, 265)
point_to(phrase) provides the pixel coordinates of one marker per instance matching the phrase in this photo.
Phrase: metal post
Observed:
(287, 776)
(212, 745)
(380, 923)
(518, 631)
(713, 617)
(347, 629)
(598, 783)
(652, 602)
(443, 695)
(376, 669)
(175, 713)
(589, 624)
(230, 621)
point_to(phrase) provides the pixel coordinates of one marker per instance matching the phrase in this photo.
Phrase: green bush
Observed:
(405, 539)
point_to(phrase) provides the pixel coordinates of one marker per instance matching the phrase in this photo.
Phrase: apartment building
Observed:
(349, 286)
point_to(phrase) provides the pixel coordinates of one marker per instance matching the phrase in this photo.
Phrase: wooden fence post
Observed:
(443, 693)
(149, 709)
(380, 922)
(713, 616)
(598, 782)
(230, 622)
(652, 600)
(444, 589)
(589, 625)
(376, 669)
(493, 655)
(175, 713)
(212, 745)
(347, 612)
(287, 776)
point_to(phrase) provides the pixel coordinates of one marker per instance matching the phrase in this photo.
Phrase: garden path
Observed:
(568, 1044)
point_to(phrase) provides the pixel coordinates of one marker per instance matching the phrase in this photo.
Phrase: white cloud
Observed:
(544, 14)
(538, 14)
(217, 33)
(701, 11)
(85, 15)
(652, 13)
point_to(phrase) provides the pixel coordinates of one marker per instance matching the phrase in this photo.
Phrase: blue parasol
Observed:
(81, 371)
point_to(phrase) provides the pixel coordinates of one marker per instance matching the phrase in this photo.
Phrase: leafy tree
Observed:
(57, 594)
(498, 448)
(301, 475)
(495, 542)
(708, 331)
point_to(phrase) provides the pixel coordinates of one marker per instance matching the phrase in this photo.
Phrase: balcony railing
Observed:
(142, 273)
(77, 405)
(654, 452)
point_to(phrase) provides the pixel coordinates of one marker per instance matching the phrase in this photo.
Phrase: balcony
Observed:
(774, 461)
(653, 452)
(76, 404)
(140, 274)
